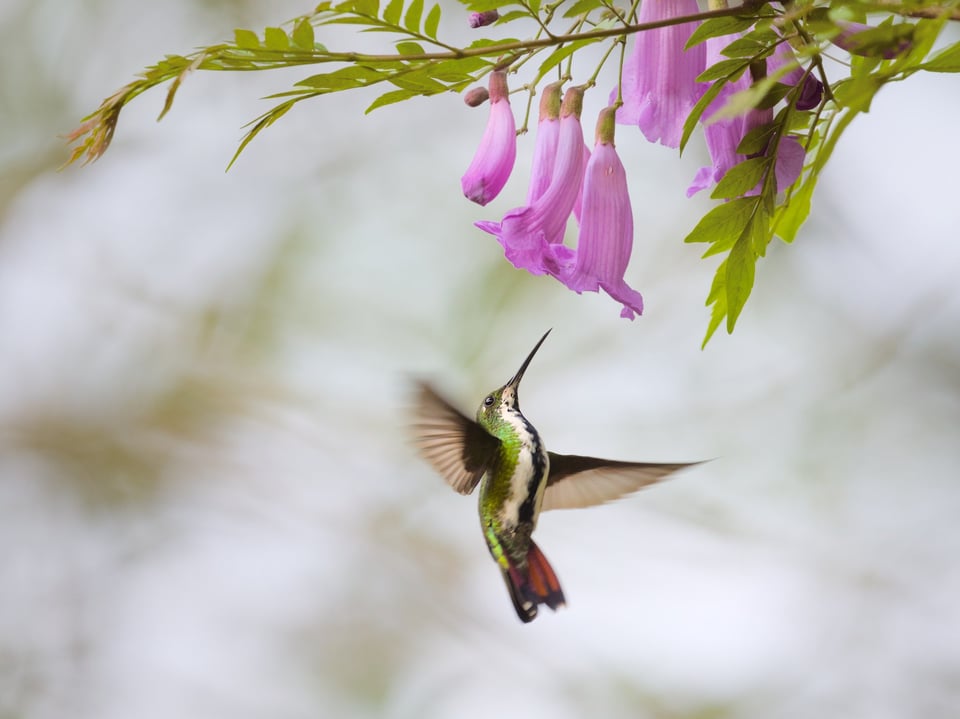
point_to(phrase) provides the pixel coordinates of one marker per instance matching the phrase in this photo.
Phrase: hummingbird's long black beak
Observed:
(523, 368)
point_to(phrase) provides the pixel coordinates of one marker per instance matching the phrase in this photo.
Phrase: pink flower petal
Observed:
(659, 84)
(606, 232)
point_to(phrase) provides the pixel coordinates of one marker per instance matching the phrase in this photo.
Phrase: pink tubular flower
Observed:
(493, 161)
(724, 136)
(658, 85)
(606, 225)
(532, 236)
(545, 150)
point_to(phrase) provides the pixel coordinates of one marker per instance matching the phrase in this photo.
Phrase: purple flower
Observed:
(493, 161)
(606, 225)
(532, 235)
(658, 84)
(850, 39)
(811, 92)
(480, 19)
(724, 135)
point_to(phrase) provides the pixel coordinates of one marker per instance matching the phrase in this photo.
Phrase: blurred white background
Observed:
(209, 507)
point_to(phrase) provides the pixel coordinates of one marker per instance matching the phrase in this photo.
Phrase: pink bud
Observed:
(480, 19)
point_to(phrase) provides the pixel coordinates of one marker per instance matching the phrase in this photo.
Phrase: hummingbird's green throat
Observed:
(518, 479)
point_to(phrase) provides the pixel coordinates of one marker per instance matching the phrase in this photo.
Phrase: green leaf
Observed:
(718, 288)
(741, 266)
(343, 79)
(741, 178)
(261, 123)
(389, 98)
(558, 56)
(880, 40)
(483, 5)
(763, 94)
(246, 39)
(791, 216)
(925, 36)
(743, 47)
(419, 82)
(276, 39)
(513, 15)
(718, 26)
(718, 298)
(392, 12)
(432, 22)
(363, 20)
(582, 7)
(698, 110)
(303, 34)
(370, 8)
(862, 65)
(450, 73)
(411, 20)
(725, 69)
(461, 67)
(947, 60)
(856, 94)
(760, 232)
(488, 41)
(406, 47)
(756, 140)
(773, 94)
(724, 223)
(764, 34)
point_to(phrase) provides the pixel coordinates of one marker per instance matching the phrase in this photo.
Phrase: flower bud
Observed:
(476, 96)
(480, 19)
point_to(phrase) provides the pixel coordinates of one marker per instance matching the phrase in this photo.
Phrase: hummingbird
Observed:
(503, 453)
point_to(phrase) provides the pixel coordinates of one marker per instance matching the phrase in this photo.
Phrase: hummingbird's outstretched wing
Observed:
(457, 447)
(577, 481)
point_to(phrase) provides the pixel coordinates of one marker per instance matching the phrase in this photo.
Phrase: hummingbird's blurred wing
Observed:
(457, 447)
(576, 481)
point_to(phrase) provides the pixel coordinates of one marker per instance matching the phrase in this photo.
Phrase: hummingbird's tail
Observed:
(538, 585)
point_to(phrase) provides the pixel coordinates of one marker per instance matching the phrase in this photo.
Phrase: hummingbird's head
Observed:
(499, 402)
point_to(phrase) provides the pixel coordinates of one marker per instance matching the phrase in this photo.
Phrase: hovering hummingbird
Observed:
(520, 479)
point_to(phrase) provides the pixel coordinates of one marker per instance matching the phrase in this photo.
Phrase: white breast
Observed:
(524, 471)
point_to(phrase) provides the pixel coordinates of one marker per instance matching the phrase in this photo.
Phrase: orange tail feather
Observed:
(538, 585)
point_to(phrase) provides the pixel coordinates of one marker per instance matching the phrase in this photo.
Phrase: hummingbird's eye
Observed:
(488, 401)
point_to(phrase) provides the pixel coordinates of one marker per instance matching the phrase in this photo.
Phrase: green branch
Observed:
(96, 132)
